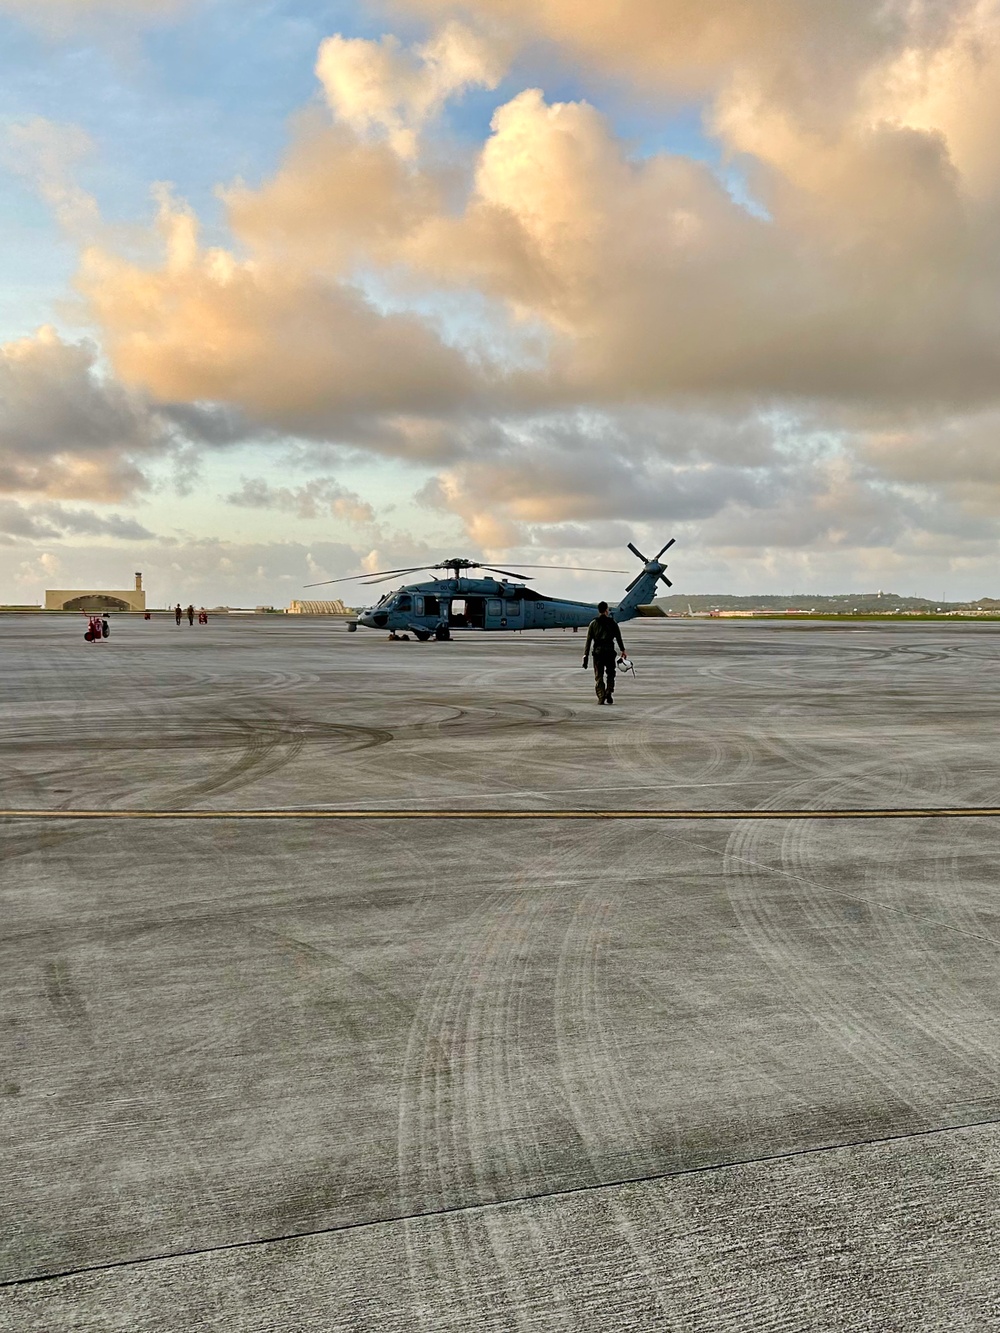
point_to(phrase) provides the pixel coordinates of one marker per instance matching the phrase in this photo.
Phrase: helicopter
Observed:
(502, 602)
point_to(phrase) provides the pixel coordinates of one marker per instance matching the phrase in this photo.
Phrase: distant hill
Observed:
(679, 604)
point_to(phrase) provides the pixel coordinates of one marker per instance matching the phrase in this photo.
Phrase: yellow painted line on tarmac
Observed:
(942, 812)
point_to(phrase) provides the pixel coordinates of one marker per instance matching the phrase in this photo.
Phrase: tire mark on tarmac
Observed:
(926, 992)
(766, 920)
(473, 1126)
(923, 1007)
(595, 1083)
(267, 741)
(466, 1124)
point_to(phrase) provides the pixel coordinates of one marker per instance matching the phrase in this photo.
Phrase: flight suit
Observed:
(604, 640)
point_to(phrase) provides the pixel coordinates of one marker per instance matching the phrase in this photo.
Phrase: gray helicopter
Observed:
(436, 608)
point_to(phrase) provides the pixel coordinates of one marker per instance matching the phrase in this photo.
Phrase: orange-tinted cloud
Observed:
(382, 87)
(293, 349)
(388, 288)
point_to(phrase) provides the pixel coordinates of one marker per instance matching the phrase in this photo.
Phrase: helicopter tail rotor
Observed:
(652, 567)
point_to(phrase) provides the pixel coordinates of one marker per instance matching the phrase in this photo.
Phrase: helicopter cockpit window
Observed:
(404, 602)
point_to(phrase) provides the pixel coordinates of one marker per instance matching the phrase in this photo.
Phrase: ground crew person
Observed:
(178, 613)
(191, 614)
(602, 638)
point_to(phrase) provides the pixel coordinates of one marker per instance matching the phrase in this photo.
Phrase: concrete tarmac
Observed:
(595, 1075)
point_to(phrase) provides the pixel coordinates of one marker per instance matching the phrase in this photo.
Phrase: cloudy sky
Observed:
(290, 289)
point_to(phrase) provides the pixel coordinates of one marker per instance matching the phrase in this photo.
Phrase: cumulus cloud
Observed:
(618, 278)
(380, 87)
(48, 522)
(644, 465)
(956, 458)
(336, 199)
(454, 310)
(318, 498)
(655, 282)
(67, 430)
(691, 46)
(563, 480)
(294, 351)
(862, 132)
(745, 487)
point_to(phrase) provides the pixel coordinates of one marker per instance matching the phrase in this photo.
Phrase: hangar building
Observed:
(308, 608)
(98, 599)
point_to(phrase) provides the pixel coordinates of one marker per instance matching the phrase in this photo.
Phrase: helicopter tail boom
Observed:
(642, 589)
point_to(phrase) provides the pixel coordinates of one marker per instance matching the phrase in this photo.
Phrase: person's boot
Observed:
(609, 699)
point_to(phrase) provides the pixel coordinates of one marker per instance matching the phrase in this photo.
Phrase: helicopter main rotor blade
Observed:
(507, 573)
(667, 547)
(378, 573)
(347, 578)
(383, 575)
(370, 583)
(569, 569)
(635, 551)
(372, 574)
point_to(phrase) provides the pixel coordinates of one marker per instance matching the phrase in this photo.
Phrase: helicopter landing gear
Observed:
(352, 627)
(422, 634)
(442, 633)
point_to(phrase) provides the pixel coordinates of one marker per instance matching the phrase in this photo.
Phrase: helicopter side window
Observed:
(494, 607)
(404, 602)
(513, 609)
(418, 606)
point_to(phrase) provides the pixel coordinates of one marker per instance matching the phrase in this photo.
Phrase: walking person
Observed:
(604, 641)
(191, 615)
(178, 613)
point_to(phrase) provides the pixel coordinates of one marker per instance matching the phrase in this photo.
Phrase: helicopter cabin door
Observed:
(504, 613)
(467, 613)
